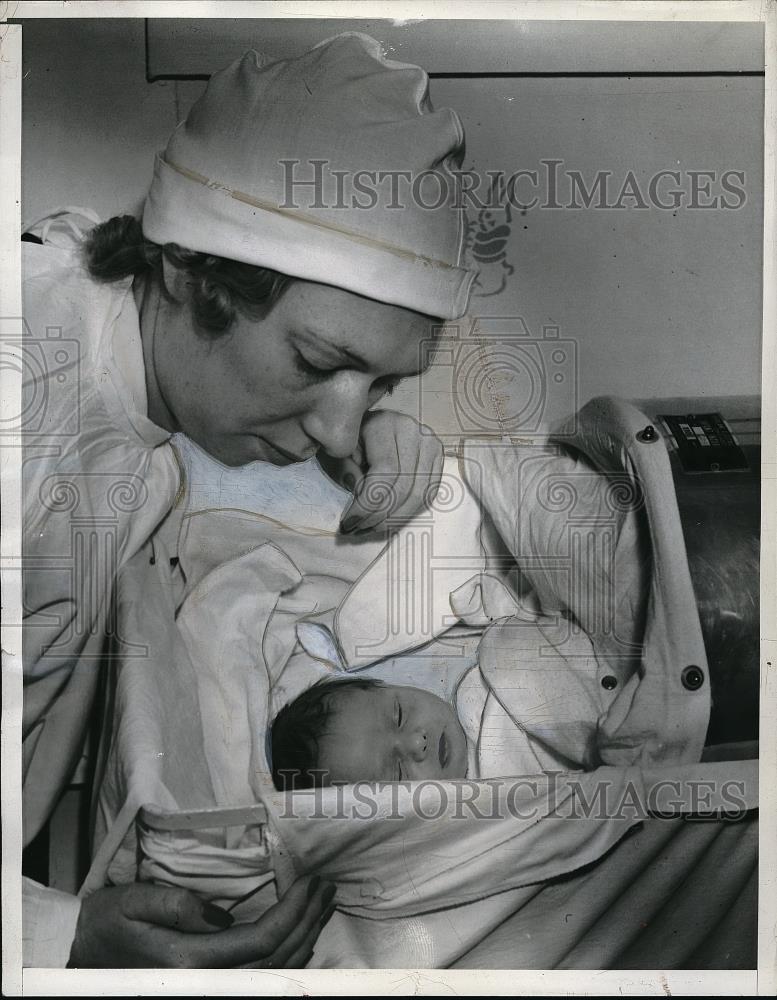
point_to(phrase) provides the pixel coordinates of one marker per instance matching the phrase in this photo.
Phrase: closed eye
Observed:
(310, 370)
(385, 386)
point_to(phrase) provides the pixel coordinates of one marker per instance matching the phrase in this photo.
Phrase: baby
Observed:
(361, 729)
(532, 703)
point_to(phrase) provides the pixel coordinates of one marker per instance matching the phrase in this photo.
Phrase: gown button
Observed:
(692, 678)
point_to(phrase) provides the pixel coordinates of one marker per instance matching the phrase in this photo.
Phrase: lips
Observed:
(287, 457)
(443, 750)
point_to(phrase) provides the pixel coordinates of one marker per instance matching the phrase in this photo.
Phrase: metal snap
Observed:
(648, 434)
(609, 682)
(692, 677)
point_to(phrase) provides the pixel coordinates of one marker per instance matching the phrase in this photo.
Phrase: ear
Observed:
(176, 281)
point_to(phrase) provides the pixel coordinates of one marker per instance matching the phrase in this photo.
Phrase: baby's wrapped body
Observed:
(597, 657)
(192, 734)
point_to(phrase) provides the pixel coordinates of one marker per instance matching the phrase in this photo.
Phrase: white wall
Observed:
(91, 123)
(651, 303)
(656, 302)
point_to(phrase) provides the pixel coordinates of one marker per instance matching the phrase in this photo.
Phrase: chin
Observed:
(235, 460)
(245, 454)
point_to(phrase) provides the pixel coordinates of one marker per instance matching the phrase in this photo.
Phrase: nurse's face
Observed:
(281, 388)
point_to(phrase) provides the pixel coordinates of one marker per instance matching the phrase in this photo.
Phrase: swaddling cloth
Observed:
(407, 851)
(250, 582)
(390, 848)
(534, 701)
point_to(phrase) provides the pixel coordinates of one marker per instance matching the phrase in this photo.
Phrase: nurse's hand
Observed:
(150, 926)
(394, 473)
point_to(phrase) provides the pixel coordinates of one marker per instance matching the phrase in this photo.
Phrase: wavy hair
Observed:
(220, 288)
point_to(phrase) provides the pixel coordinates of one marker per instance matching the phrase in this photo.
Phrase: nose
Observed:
(416, 745)
(335, 421)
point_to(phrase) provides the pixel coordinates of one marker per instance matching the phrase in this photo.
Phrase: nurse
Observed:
(300, 244)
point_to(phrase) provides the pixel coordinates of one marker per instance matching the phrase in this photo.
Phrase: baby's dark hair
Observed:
(297, 730)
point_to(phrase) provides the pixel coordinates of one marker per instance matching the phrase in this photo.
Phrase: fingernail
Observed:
(349, 481)
(327, 915)
(328, 894)
(314, 883)
(348, 524)
(369, 529)
(216, 917)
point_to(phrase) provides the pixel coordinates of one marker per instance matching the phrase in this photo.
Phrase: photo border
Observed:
(62, 982)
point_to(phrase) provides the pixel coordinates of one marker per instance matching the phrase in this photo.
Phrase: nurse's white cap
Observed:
(222, 186)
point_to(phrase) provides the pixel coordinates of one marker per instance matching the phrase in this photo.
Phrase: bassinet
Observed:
(424, 880)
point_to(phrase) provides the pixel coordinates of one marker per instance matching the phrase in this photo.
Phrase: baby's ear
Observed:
(176, 281)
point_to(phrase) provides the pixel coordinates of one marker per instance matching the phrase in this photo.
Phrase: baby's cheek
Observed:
(462, 755)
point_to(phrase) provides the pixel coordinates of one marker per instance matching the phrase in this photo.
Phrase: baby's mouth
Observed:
(443, 750)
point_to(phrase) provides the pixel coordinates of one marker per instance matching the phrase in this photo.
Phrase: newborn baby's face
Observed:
(392, 733)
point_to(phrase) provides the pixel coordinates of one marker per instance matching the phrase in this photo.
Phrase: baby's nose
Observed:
(419, 745)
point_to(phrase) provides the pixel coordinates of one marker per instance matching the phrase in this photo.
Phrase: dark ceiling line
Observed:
(572, 74)
(496, 75)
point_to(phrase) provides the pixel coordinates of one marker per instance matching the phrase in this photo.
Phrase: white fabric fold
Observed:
(403, 598)
(48, 926)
